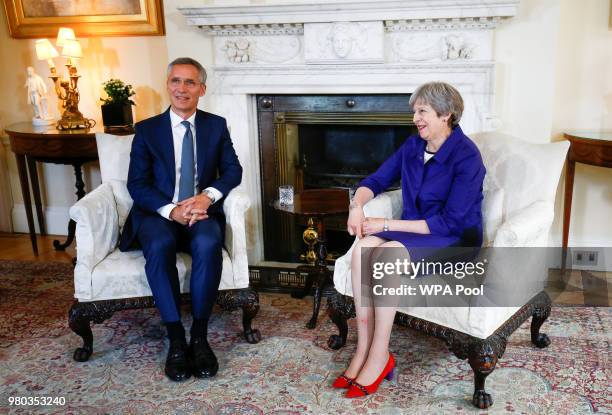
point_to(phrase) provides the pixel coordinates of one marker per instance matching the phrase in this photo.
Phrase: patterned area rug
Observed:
(289, 372)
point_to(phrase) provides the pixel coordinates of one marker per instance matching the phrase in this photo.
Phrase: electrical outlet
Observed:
(588, 258)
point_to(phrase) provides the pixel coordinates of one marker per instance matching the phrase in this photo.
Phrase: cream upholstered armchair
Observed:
(518, 211)
(108, 280)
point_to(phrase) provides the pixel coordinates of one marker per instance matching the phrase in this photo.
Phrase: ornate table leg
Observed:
(322, 281)
(567, 206)
(25, 191)
(36, 192)
(80, 186)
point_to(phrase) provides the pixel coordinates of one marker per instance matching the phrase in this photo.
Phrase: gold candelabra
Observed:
(67, 90)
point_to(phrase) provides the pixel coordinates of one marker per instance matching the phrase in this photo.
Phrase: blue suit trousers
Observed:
(160, 240)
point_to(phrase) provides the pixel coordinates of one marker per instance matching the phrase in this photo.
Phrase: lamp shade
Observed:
(64, 33)
(72, 49)
(45, 50)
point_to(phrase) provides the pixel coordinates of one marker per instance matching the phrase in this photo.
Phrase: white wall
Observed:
(583, 100)
(553, 75)
(525, 50)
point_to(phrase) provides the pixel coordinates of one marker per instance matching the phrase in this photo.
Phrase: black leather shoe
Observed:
(177, 363)
(203, 361)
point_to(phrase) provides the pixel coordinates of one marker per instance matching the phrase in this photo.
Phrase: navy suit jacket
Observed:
(152, 178)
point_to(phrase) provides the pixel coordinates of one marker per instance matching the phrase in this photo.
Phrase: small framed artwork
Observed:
(42, 18)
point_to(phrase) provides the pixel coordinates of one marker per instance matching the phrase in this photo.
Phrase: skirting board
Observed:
(56, 219)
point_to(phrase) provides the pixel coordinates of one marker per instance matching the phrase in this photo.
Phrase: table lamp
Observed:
(67, 90)
(63, 34)
(46, 51)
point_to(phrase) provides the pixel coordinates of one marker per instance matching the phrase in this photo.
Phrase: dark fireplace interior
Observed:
(318, 142)
(342, 155)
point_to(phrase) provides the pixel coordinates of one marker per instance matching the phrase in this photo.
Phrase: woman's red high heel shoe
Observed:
(342, 382)
(357, 390)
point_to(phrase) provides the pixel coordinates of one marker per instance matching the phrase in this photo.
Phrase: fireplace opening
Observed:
(342, 155)
(319, 142)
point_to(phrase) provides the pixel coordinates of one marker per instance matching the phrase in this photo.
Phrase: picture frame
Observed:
(43, 18)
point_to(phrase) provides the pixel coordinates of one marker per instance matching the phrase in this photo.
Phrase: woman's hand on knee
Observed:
(373, 225)
(355, 222)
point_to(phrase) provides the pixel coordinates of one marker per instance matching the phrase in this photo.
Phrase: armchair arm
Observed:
(235, 207)
(386, 205)
(97, 231)
(528, 227)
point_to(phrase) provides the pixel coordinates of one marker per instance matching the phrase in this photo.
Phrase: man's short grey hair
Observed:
(442, 97)
(189, 61)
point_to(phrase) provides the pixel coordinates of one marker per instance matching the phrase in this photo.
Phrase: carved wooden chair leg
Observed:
(249, 310)
(540, 313)
(80, 316)
(79, 323)
(483, 356)
(339, 308)
(248, 300)
(316, 306)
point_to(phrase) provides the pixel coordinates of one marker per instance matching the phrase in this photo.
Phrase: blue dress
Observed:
(446, 192)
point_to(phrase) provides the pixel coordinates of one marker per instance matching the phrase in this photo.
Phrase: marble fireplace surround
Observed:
(359, 47)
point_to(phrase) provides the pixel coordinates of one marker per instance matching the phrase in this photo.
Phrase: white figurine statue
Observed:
(37, 97)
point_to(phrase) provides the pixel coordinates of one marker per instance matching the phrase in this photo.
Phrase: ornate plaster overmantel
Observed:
(357, 47)
(294, 16)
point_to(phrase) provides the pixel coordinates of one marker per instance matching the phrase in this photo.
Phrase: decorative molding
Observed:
(271, 76)
(481, 23)
(254, 30)
(391, 26)
(355, 11)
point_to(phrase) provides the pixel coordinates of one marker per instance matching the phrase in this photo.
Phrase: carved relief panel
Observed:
(344, 42)
(234, 50)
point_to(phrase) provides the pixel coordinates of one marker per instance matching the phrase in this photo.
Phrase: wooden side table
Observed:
(48, 145)
(316, 205)
(588, 147)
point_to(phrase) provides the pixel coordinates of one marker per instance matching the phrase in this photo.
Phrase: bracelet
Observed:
(386, 226)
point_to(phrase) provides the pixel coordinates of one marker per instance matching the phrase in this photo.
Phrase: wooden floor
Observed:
(584, 288)
(17, 246)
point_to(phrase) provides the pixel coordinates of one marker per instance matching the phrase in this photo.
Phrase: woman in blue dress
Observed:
(442, 173)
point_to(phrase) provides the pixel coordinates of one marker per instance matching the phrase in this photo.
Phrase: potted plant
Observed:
(117, 107)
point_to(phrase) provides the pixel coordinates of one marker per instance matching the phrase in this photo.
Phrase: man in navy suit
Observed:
(182, 164)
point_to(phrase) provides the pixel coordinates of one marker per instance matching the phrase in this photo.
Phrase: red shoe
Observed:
(342, 382)
(357, 390)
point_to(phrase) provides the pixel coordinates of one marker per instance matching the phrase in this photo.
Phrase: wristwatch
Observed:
(386, 226)
(210, 195)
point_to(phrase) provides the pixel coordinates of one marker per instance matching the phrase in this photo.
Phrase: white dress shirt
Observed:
(178, 132)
